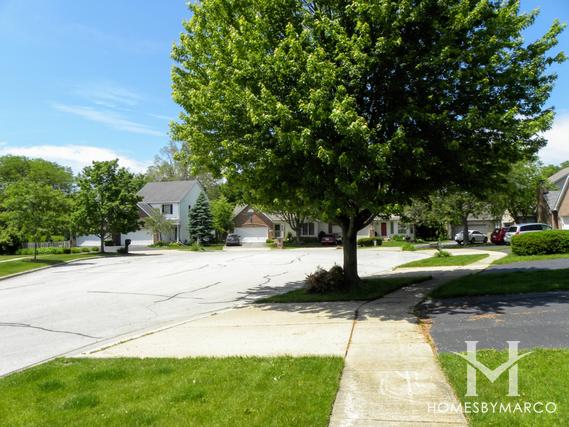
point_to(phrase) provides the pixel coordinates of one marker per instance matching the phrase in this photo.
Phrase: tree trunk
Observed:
(349, 242)
(465, 236)
(297, 230)
(35, 251)
(102, 241)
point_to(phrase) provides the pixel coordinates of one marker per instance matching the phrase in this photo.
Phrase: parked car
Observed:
(497, 236)
(331, 239)
(516, 229)
(233, 240)
(474, 236)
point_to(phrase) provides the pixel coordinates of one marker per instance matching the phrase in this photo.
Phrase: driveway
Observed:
(536, 320)
(97, 301)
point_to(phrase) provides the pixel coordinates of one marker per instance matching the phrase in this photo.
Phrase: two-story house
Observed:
(553, 206)
(173, 199)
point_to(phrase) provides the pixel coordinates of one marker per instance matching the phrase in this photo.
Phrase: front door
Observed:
(384, 229)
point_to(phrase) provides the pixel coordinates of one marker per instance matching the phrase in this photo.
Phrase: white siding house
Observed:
(174, 199)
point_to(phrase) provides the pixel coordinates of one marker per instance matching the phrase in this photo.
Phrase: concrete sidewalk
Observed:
(391, 374)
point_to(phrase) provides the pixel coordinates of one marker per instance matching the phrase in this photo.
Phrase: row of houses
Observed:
(175, 199)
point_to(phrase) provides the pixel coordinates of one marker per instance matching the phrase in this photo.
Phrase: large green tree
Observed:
(35, 211)
(349, 106)
(106, 202)
(18, 168)
(222, 215)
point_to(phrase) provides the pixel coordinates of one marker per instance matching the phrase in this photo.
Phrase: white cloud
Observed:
(74, 156)
(108, 118)
(108, 94)
(557, 148)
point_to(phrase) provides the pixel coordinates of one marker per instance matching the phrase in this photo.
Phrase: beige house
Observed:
(553, 207)
(254, 226)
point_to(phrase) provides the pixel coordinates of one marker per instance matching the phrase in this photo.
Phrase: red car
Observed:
(330, 239)
(497, 236)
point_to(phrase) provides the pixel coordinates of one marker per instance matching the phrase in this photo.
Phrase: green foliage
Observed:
(397, 238)
(17, 168)
(35, 211)
(121, 250)
(370, 241)
(370, 103)
(157, 223)
(442, 254)
(107, 200)
(195, 247)
(408, 247)
(222, 215)
(199, 219)
(42, 251)
(541, 243)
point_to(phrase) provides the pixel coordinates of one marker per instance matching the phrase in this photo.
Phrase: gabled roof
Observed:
(563, 173)
(167, 191)
(551, 198)
(238, 209)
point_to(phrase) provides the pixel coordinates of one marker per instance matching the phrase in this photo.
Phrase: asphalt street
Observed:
(92, 302)
(536, 320)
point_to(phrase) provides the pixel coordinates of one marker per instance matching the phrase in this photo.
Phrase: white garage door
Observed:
(90, 240)
(252, 234)
(565, 220)
(138, 238)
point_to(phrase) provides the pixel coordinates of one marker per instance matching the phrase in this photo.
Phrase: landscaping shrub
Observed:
(369, 241)
(408, 247)
(41, 251)
(541, 243)
(75, 250)
(94, 249)
(109, 243)
(121, 250)
(158, 244)
(442, 254)
(67, 250)
(196, 248)
(322, 281)
(175, 245)
(397, 238)
(269, 241)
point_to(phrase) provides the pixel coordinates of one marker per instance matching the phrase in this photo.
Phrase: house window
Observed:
(278, 230)
(167, 209)
(391, 227)
(402, 228)
(307, 229)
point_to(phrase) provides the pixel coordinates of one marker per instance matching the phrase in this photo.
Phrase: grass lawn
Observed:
(9, 257)
(279, 391)
(444, 261)
(543, 377)
(18, 266)
(508, 259)
(516, 282)
(369, 289)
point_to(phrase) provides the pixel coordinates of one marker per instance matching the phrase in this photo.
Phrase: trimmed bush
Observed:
(85, 249)
(75, 250)
(121, 250)
(41, 251)
(541, 243)
(369, 241)
(408, 247)
(442, 254)
(397, 238)
(94, 249)
(322, 281)
(67, 250)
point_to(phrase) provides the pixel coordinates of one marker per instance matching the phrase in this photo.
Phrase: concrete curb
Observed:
(21, 273)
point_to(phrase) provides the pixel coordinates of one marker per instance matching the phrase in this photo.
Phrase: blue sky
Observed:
(83, 81)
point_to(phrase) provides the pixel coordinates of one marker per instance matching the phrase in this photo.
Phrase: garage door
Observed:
(138, 238)
(565, 220)
(252, 234)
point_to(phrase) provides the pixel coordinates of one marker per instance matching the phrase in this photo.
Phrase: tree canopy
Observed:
(107, 200)
(350, 106)
(17, 168)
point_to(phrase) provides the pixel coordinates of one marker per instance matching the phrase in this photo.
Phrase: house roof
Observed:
(551, 198)
(563, 173)
(167, 191)
(238, 209)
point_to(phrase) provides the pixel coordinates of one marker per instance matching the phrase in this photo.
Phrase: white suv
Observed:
(514, 230)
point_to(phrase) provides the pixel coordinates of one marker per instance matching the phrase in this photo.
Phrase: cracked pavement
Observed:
(93, 302)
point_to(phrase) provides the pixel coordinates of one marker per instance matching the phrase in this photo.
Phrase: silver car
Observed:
(474, 236)
(516, 229)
